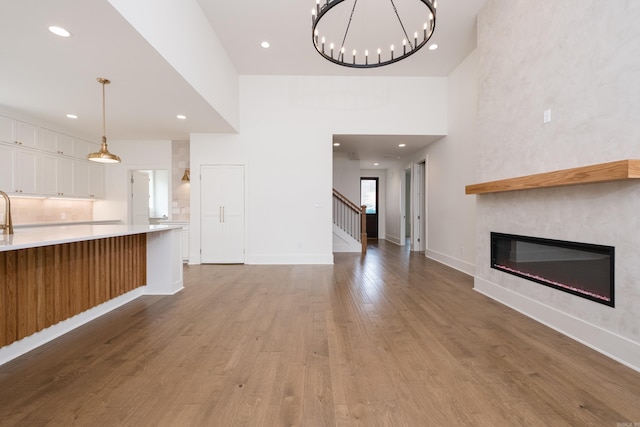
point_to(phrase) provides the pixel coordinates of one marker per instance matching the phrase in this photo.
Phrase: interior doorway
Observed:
(222, 214)
(369, 197)
(418, 206)
(139, 208)
(406, 213)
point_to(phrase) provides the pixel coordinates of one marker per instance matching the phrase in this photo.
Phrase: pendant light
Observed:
(420, 19)
(103, 156)
(187, 175)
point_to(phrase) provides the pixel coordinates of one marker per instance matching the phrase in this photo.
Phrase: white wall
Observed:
(149, 154)
(451, 228)
(592, 90)
(286, 147)
(346, 177)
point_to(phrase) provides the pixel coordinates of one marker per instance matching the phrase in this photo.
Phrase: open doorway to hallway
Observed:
(369, 197)
(414, 218)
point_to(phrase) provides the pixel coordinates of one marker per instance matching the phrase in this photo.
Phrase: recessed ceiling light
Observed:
(376, 164)
(265, 44)
(402, 145)
(336, 144)
(433, 47)
(59, 31)
(72, 116)
(181, 116)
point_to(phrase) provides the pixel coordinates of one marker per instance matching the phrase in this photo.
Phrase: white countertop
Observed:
(45, 236)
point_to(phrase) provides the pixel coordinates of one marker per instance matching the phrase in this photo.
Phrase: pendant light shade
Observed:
(187, 175)
(103, 156)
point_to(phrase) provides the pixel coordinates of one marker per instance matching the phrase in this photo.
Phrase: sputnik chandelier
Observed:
(332, 39)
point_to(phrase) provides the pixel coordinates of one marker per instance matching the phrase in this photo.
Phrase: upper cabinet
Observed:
(26, 135)
(6, 129)
(17, 132)
(40, 161)
(81, 149)
(58, 143)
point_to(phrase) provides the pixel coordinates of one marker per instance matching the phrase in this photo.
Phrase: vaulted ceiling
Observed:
(46, 77)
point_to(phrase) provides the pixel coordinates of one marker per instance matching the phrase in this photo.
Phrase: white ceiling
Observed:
(45, 77)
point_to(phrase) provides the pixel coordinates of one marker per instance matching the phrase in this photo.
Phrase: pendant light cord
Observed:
(104, 122)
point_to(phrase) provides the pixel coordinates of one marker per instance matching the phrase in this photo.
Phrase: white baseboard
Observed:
(25, 345)
(452, 262)
(608, 343)
(395, 240)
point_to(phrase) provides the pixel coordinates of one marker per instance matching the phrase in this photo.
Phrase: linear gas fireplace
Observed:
(581, 269)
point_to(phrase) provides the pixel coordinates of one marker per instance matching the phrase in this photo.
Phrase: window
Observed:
(368, 194)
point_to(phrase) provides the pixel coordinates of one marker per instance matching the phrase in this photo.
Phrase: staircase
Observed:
(349, 225)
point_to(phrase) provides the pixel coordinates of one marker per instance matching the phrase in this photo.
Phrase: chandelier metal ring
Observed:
(378, 59)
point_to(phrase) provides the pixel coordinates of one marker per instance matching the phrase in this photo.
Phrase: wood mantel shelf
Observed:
(602, 172)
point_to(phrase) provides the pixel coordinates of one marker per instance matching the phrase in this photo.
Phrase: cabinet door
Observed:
(47, 174)
(25, 171)
(96, 180)
(64, 176)
(48, 141)
(81, 178)
(26, 134)
(65, 145)
(6, 168)
(6, 129)
(81, 149)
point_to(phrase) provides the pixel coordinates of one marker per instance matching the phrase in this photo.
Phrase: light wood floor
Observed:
(388, 339)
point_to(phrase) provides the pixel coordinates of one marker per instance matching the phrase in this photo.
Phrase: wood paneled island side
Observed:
(54, 279)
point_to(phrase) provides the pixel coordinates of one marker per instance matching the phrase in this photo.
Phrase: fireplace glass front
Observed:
(581, 269)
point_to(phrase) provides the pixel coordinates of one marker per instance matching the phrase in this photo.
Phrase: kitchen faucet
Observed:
(8, 224)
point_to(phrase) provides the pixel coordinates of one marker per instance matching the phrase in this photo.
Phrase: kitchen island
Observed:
(54, 279)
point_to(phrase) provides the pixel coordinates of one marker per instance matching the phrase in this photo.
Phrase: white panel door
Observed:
(139, 198)
(222, 216)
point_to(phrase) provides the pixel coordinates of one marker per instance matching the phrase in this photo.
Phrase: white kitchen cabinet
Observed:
(55, 177)
(17, 169)
(6, 129)
(6, 168)
(65, 145)
(96, 180)
(25, 171)
(26, 134)
(82, 148)
(184, 236)
(185, 242)
(54, 142)
(47, 175)
(81, 178)
(18, 133)
(48, 141)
